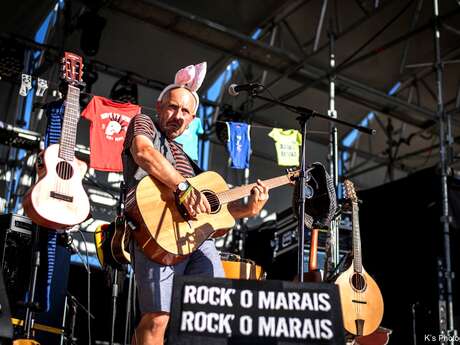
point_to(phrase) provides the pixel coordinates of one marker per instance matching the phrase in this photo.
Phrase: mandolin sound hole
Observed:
(358, 282)
(213, 200)
(64, 170)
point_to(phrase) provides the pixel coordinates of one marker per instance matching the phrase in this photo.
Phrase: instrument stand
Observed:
(70, 338)
(131, 297)
(74, 304)
(445, 291)
(115, 291)
(305, 115)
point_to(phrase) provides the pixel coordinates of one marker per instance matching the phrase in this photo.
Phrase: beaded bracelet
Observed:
(185, 194)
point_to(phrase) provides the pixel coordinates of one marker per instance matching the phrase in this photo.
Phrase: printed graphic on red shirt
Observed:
(109, 121)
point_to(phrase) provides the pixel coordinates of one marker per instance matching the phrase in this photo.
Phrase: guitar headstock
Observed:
(293, 175)
(350, 192)
(72, 68)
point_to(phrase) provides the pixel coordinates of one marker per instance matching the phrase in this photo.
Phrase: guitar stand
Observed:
(70, 337)
(115, 292)
(74, 304)
(115, 288)
(130, 299)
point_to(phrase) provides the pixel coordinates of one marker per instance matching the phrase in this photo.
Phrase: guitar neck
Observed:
(69, 124)
(243, 191)
(357, 256)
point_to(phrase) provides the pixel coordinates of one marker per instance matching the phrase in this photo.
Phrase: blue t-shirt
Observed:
(189, 139)
(239, 144)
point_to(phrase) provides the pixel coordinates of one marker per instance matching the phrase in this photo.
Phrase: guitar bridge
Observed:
(359, 302)
(60, 196)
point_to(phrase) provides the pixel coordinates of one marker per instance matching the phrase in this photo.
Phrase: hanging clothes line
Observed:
(55, 87)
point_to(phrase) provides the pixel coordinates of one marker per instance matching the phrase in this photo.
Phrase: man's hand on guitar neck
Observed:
(257, 200)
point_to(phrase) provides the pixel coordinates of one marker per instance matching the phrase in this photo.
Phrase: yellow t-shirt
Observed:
(287, 142)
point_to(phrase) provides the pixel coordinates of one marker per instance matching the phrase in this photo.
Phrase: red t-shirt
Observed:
(109, 121)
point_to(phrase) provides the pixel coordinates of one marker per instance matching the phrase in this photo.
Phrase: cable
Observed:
(88, 270)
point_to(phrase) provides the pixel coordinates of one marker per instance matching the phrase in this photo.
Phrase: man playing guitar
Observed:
(149, 149)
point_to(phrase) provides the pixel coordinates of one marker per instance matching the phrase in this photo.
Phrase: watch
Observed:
(182, 187)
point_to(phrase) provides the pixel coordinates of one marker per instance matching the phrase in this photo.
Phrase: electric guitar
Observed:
(362, 302)
(58, 199)
(166, 234)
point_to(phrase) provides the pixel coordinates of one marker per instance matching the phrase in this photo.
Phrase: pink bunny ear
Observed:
(185, 76)
(200, 73)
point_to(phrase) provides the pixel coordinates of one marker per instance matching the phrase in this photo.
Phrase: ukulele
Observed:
(166, 234)
(58, 199)
(362, 302)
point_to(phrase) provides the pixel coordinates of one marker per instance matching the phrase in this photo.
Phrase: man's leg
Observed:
(154, 286)
(205, 261)
(151, 329)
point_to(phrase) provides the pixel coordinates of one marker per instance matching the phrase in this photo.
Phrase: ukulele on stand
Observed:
(58, 199)
(362, 302)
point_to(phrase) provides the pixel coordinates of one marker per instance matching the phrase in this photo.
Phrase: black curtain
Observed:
(402, 242)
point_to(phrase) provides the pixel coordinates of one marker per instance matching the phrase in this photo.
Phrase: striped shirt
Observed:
(183, 165)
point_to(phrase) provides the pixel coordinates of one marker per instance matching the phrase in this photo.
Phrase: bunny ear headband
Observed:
(190, 78)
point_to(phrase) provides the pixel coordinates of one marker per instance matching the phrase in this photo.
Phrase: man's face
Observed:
(175, 112)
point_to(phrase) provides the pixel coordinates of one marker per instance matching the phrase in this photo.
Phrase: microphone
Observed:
(235, 89)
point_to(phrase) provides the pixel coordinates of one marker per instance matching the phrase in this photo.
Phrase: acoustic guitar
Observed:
(362, 302)
(58, 199)
(167, 235)
(112, 243)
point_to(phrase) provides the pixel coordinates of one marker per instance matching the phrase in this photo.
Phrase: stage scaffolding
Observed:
(298, 67)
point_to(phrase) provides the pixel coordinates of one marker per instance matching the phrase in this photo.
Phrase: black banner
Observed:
(224, 311)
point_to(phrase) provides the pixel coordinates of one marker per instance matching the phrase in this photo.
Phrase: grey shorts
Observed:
(155, 281)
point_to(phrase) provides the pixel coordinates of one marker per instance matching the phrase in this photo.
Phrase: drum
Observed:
(235, 267)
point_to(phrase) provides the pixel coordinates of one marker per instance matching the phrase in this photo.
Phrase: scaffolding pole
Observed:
(446, 309)
(333, 152)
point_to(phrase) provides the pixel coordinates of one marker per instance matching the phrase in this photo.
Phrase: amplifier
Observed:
(285, 238)
(284, 241)
(17, 223)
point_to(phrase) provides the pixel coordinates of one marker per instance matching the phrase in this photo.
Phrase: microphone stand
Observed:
(305, 115)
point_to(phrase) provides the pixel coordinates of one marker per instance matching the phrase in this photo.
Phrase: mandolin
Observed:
(167, 235)
(58, 199)
(362, 302)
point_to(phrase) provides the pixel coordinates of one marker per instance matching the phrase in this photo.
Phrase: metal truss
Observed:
(270, 58)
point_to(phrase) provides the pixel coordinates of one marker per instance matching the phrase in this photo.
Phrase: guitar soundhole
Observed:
(358, 282)
(213, 200)
(64, 170)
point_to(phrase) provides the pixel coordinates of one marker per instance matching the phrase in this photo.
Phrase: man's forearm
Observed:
(153, 162)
